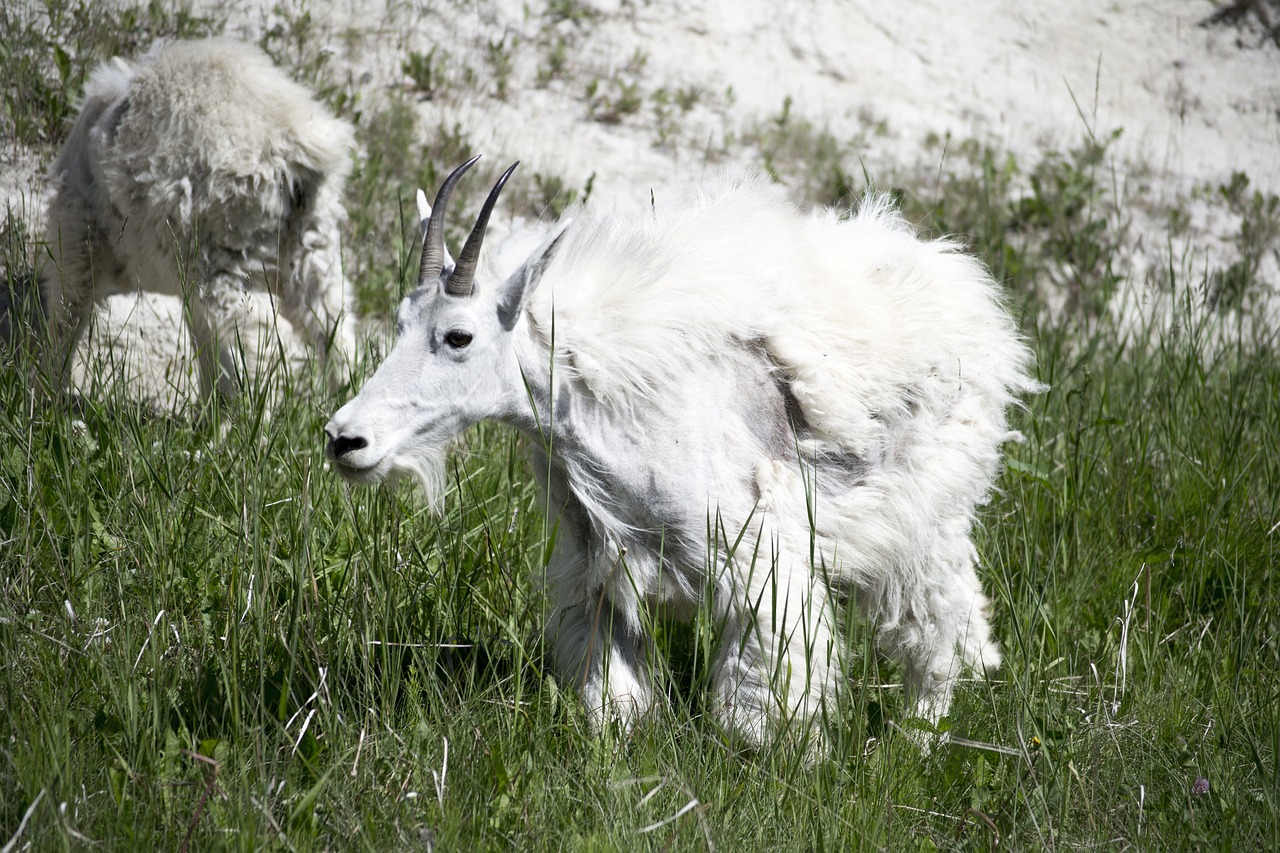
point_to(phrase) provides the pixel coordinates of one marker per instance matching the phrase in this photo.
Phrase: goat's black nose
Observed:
(341, 445)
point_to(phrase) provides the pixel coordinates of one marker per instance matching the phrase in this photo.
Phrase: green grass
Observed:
(208, 641)
(204, 632)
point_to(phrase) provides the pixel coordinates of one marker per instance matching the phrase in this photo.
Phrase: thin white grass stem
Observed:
(248, 602)
(359, 747)
(324, 671)
(305, 724)
(684, 810)
(652, 792)
(22, 824)
(917, 810)
(441, 778)
(1123, 664)
(147, 641)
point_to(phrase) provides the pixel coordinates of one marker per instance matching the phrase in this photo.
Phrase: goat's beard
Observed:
(428, 466)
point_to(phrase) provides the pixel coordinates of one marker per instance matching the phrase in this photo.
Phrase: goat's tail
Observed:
(109, 82)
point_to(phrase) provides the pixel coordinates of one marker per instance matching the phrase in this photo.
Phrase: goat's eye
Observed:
(457, 338)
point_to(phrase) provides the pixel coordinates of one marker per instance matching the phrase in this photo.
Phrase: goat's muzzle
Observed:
(341, 445)
(344, 450)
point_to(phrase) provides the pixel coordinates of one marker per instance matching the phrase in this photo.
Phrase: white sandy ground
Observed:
(1194, 105)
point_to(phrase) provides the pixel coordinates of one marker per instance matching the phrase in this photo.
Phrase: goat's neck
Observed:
(587, 441)
(532, 405)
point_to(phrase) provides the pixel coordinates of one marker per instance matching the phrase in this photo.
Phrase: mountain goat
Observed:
(734, 407)
(200, 171)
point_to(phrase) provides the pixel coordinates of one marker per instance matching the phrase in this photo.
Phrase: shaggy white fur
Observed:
(201, 170)
(737, 407)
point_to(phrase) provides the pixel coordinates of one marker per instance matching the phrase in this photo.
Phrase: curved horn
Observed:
(433, 250)
(461, 280)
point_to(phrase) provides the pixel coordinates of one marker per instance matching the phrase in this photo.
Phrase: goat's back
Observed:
(223, 103)
(198, 145)
(213, 130)
(862, 317)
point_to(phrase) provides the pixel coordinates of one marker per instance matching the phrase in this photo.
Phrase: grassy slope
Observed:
(205, 634)
(169, 592)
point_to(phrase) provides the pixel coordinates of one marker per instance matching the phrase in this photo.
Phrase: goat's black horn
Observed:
(462, 280)
(433, 251)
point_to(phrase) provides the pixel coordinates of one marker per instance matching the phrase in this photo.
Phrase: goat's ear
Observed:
(524, 281)
(424, 216)
(424, 213)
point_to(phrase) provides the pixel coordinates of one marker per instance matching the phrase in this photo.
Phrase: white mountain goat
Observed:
(735, 406)
(200, 171)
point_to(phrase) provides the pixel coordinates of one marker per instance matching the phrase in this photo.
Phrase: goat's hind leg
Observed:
(779, 663)
(945, 631)
(66, 322)
(778, 666)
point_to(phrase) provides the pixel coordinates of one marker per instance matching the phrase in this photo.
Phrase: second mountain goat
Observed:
(201, 171)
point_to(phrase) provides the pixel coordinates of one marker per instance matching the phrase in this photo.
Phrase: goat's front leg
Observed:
(69, 302)
(605, 656)
(599, 643)
(234, 348)
(317, 303)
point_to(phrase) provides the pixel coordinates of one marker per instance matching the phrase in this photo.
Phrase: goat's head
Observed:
(453, 363)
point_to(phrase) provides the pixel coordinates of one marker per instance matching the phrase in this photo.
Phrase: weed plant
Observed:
(48, 48)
